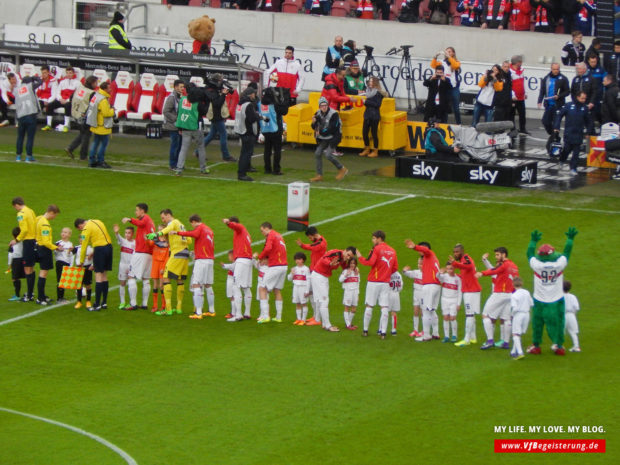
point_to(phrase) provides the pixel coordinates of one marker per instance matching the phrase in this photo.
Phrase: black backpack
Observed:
(282, 100)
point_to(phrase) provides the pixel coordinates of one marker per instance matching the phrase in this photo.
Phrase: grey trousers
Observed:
(323, 145)
(187, 138)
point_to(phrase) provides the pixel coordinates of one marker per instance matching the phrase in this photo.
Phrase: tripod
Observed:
(226, 50)
(405, 64)
(368, 66)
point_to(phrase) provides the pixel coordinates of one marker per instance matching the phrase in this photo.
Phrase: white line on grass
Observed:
(363, 191)
(220, 254)
(128, 458)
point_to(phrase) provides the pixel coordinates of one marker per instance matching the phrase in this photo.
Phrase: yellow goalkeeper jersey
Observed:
(26, 221)
(43, 233)
(178, 244)
(94, 234)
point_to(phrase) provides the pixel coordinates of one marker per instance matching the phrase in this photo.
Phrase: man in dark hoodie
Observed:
(117, 39)
(246, 125)
(609, 105)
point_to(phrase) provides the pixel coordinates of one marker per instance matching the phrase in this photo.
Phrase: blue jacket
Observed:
(269, 111)
(577, 119)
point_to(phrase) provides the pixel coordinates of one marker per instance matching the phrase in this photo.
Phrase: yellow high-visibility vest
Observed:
(112, 43)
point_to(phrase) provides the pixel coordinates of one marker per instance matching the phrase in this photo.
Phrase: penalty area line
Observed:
(126, 457)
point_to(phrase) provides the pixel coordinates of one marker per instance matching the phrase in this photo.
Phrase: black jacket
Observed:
(217, 100)
(251, 115)
(611, 63)
(443, 87)
(118, 36)
(577, 118)
(609, 106)
(562, 90)
(503, 98)
(571, 54)
(585, 83)
(373, 105)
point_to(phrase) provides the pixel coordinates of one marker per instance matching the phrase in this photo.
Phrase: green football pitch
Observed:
(116, 387)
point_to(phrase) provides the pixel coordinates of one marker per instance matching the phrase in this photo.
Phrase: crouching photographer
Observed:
(216, 92)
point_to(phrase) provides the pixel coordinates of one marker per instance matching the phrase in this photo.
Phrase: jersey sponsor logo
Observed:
(45, 232)
(387, 260)
(526, 175)
(81, 93)
(481, 174)
(425, 171)
(186, 104)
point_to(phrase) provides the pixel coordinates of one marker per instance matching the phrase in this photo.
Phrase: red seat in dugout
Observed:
(121, 93)
(163, 91)
(143, 100)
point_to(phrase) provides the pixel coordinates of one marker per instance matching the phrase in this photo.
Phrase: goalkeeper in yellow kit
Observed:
(178, 263)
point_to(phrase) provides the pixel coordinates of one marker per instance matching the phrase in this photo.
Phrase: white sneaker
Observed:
(574, 349)
(4, 123)
(233, 319)
(554, 347)
(422, 339)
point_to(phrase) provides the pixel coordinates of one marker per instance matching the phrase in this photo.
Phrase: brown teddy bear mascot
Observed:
(202, 31)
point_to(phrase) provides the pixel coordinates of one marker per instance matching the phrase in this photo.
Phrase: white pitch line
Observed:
(126, 457)
(220, 254)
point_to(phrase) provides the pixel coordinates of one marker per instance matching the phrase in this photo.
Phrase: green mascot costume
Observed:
(548, 267)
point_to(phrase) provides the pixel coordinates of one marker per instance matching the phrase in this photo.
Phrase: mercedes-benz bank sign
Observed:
(515, 173)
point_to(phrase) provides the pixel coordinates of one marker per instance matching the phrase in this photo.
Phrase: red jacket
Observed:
(317, 250)
(504, 273)
(144, 226)
(324, 267)
(333, 91)
(203, 247)
(430, 265)
(521, 16)
(274, 250)
(383, 263)
(518, 83)
(242, 242)
(469, 282)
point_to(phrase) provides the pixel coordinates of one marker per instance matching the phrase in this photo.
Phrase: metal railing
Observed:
(35, 9)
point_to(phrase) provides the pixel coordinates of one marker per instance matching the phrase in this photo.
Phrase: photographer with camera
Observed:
(192, 109)
(272, 128)
(217, 90)
(246, 125)
(452, 71)
(439, 96)
(490, 83)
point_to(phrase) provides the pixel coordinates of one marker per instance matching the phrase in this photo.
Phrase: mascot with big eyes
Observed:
(202, 31)
(548, 266)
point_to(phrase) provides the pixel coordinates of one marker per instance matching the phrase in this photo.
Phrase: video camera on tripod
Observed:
(371, 65)
(405, 68)
(396, 50)
(367, 49)
(227, 44)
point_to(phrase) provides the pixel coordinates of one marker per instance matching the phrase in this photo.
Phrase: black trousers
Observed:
(548, 117)
(4, 110)
(82, 140)
(245, 157)
(371, 126)
(519, 106)
(56, 104)
(502, 113)
(273, 143)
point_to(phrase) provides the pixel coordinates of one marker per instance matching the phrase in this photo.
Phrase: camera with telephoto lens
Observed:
(219, 83)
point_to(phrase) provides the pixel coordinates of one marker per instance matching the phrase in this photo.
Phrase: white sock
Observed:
(472, 333)
(247, 297)
(502, 329)
(367, 318)
(324, 311)
(304, 313)
(489, 328)
(346, 318)
(507, 330)
(121, 292)
(446, 328)
(198, 299)
(416, 322)
(316, 310)
(516, 344)
(351, 316)
(575, 337)
(211, 299)
(435, 323)
(264, 309)
(67, 121)
(469, 321)
(233, 307)
(453, 326)
(298, 313)
(49, 120)
(383, 322)
(427, 318)
(132, 287)
(146, 291)
(238, 301)
(279, 309)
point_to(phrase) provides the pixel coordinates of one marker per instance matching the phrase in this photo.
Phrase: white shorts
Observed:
(430, 297)
(230, 287)
(377, 294)
(570, 320)
(320, 287)
(471, 302)
(243, 272)
(350, 298)
(123, 271)
(449, 307)
(417, 298)
(203, 271)
(274, 277)
(140, 266)
(520, 320)
(497, 306)
(299, 294)
(394, 301)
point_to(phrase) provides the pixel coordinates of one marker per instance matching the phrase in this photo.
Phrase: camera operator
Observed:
(349, 52)
(502, 101)
(246, 125)
(217, 90)
(439, 96)
(489, 84)
(435, 142)
(192, 109)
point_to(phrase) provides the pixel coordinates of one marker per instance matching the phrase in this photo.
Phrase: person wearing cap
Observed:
(117, 39)
(354, 83)
(328, 132)
(548, 267)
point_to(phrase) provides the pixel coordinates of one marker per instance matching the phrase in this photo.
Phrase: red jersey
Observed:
(203, 247)
(274, 250)
(144, 226)
(242, 242)
(504, 274)
(324, 266)
(430, 265)
(469, 282)
(317, 250)
(383, 263)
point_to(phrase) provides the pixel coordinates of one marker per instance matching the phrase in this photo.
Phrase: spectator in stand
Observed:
(333, 90)
(502, 101)
(584, 82)
(595, 48)
(79, 105)
(598, 73)
(470, 12)
(490, 83)
(317, 7)
(372, 116)
(64, 91)
(574, 51)
(439, 96)
(584, 21)
(364, 10)
(609, 104)
(617, 25)
(348, 52)
(520, 15)
(271, 5)
(544, 15)
(439, 10)
(612, 61)
(452, 71)
(9, 88)
(244, 4)
(169, 3)
(409, 11)
(569, 10)
(117, 38)
(354, 83)
(495, 14)
(383, 6)
(171, 112)
(333, 57)
(518, 91)
(288, 71)
(554, 89)
(46, 94)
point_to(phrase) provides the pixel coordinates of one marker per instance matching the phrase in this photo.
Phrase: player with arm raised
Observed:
(471, 292)
(416, 275)
(242, 251)
(142, 258)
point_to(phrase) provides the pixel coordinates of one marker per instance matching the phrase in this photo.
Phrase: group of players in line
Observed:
(163, 254)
